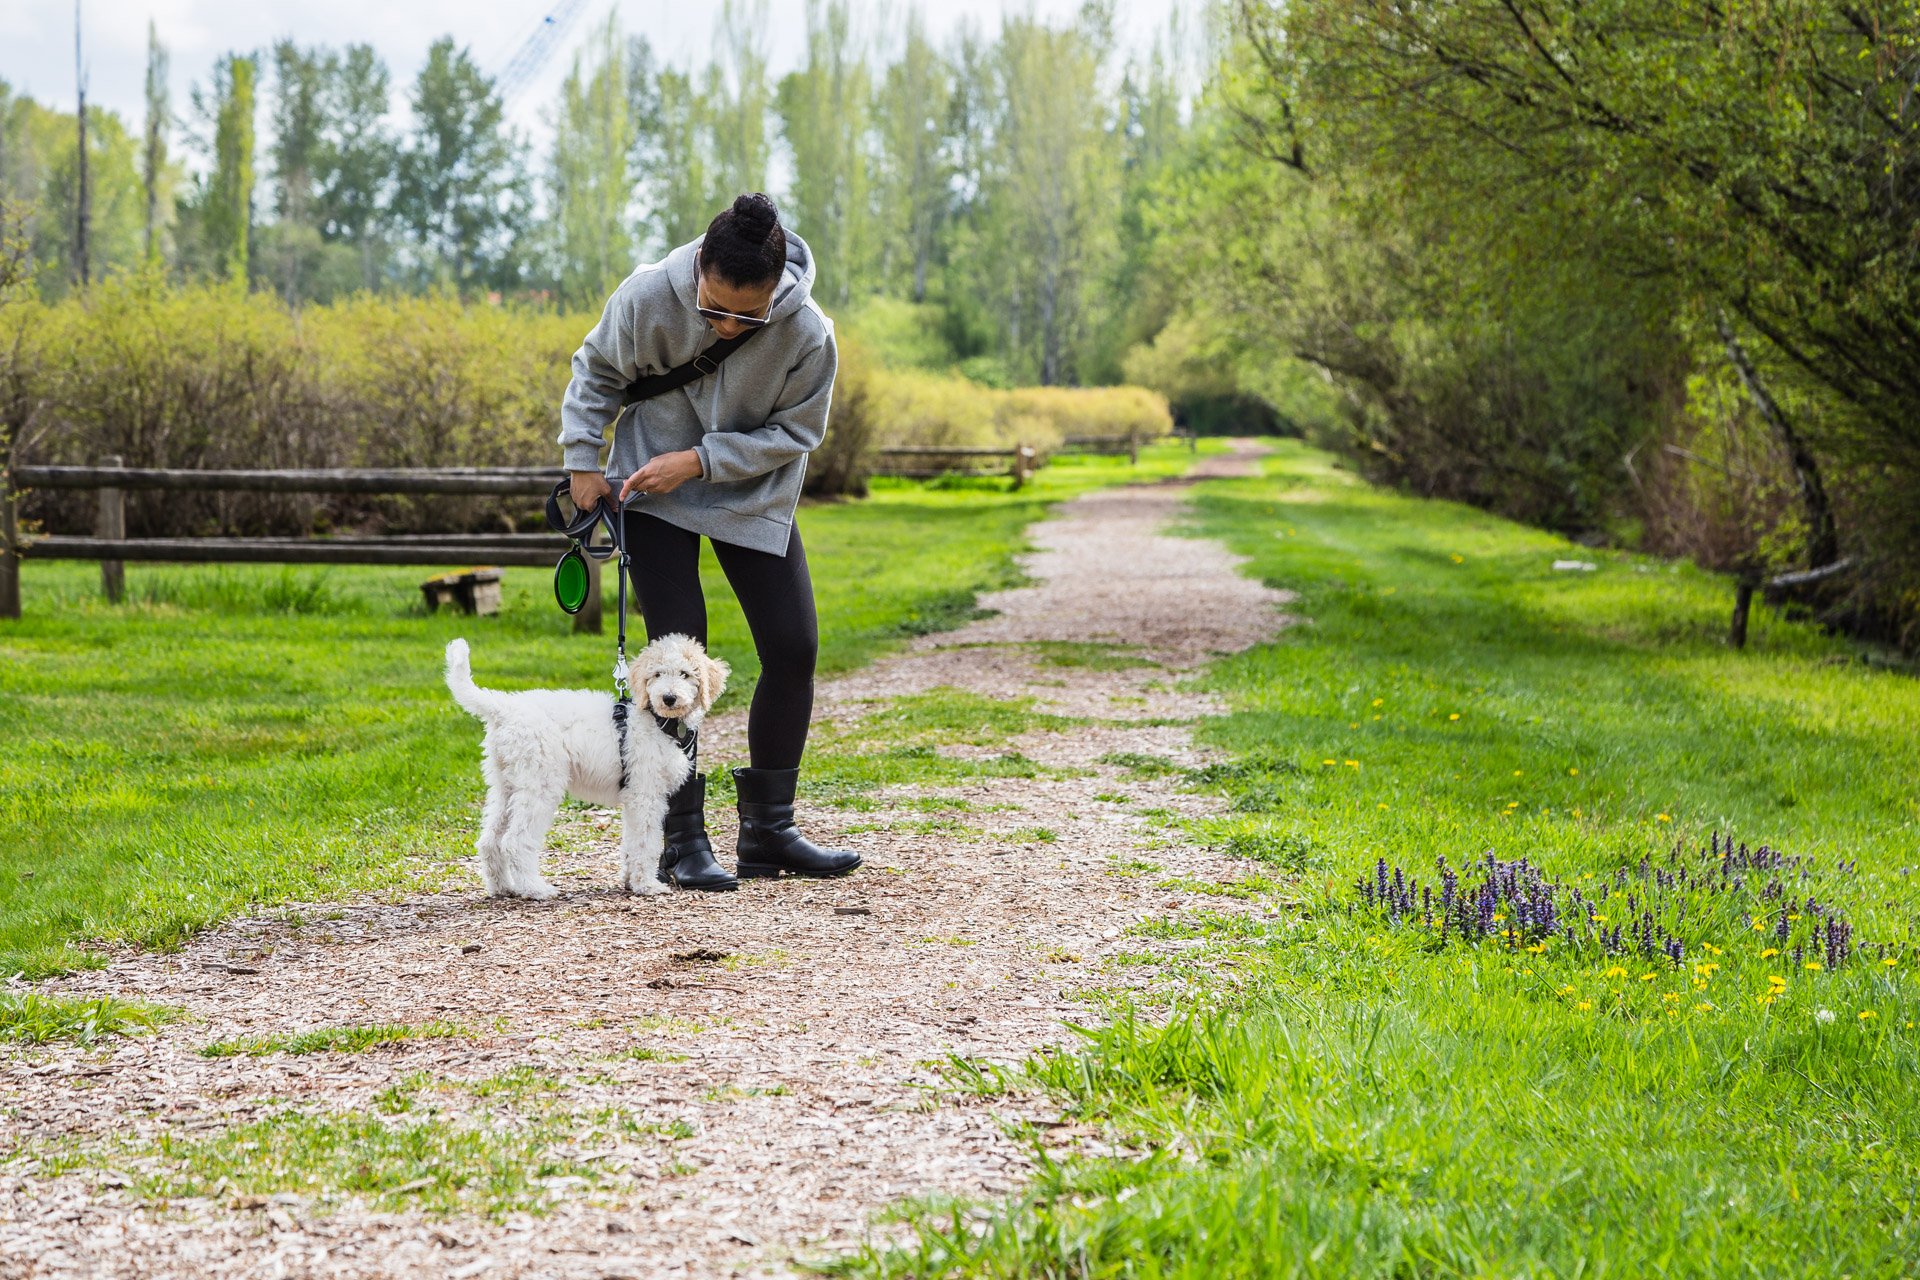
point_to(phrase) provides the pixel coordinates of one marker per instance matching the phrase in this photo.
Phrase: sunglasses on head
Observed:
(715, 313)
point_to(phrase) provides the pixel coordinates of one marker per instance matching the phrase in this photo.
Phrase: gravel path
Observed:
(767, 1102)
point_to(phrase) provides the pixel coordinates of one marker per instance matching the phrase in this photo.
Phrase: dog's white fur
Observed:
(544, 743)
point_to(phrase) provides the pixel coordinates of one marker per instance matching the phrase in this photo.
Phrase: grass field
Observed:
(1350, 1091)
(238, 736)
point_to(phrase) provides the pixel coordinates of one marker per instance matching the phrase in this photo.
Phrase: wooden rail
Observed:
(470, 481)
(113, 549)
(1022, 459)
(290, 551)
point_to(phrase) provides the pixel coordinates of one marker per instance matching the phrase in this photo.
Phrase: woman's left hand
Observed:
(663, 474)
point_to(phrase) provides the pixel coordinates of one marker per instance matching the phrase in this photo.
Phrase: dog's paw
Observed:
(647, 887)
(539, 891)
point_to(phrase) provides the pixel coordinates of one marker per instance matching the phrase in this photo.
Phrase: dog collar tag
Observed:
(620, 672)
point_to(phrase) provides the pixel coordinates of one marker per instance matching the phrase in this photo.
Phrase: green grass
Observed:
(235, 736)
(36, 1019)
(334, 1039)
(1352, 1097)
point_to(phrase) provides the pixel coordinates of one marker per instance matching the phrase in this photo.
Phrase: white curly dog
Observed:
(543, 743)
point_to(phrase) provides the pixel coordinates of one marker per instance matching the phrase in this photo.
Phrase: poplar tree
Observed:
(153, 156)
(227, 213)
(824, 110)
(594, 140)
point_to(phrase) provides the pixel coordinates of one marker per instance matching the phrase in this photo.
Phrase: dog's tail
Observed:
(471, 697)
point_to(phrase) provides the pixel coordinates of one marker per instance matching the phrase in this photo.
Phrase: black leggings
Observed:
(776, 594)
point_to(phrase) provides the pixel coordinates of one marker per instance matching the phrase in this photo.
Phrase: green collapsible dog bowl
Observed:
(571, 581)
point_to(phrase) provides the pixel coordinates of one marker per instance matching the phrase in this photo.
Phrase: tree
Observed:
(912, 112)
(824, 109)
(358, 159)
(738, 98)
(301, 101)
(82, 200)
(677, 150)
(1049, 184)
(226, 198)
(153, 156)
(462, 185)
(595, 136)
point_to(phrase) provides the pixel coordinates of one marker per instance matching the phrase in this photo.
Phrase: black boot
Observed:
(687, 860)
(769, 842)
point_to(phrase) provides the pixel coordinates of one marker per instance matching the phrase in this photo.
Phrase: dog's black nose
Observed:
(669, 698)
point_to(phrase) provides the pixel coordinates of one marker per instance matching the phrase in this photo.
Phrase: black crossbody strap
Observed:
(658, 384)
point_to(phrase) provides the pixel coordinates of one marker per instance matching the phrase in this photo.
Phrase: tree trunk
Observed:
(1823, 542)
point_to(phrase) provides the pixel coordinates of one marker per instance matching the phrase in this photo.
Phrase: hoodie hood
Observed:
(791, 294)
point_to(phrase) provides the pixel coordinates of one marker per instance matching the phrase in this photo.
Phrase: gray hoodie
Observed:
(753, 421)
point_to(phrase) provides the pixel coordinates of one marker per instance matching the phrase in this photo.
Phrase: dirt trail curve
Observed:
(781, 1102)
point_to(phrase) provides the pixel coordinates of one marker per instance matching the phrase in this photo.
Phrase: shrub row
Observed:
(216, 377)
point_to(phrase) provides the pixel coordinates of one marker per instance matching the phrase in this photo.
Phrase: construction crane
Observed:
(539, 46)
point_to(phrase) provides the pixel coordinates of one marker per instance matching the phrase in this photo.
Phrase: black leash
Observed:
(611, 515)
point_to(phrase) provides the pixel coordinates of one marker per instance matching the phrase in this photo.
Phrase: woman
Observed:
(723, 457)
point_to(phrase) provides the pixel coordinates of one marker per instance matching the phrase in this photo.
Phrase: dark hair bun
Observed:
(745, 246)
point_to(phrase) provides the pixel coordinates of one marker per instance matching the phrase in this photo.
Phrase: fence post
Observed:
(1742, 605)
(1133, 446)
(1193, 440)
(9, 543)
(1019, 466)
(111, 522)
(589, 619)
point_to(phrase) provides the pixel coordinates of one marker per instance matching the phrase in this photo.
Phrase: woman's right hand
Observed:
(588, 488)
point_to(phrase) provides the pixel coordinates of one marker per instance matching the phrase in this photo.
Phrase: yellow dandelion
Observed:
(1616, 972)
(1770, 951)
(1889, 962)
(1759, 925)
(1661, 817)
(1794, 916)
(1717, 951)
(1573, 773)
(1326, 762)
(1380, 806)
(1353, 726)
(1671, 996)
(1537, 948)
(1596, 919)
(1459, 559)
(1519, 773)
(1702, 1007)
(1647, 977)
(1576, 813)
(1813, 965)
(1588, 1004)
(1768, 998)
(1867, 1015)
(1353, 764)
(1568, 990)
(1454, 716)
(1378, 701)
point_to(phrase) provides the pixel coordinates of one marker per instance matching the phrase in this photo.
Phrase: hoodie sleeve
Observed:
(603, 366)
(794, 429)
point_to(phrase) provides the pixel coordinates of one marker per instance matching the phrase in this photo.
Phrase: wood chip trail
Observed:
(784, 1086)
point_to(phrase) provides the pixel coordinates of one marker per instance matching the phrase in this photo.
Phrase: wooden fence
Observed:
(930, 461)
(112, 548)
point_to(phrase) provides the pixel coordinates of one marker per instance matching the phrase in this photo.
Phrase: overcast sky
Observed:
(36, 50)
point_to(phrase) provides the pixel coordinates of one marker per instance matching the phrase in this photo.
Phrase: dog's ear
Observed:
(713, 679)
